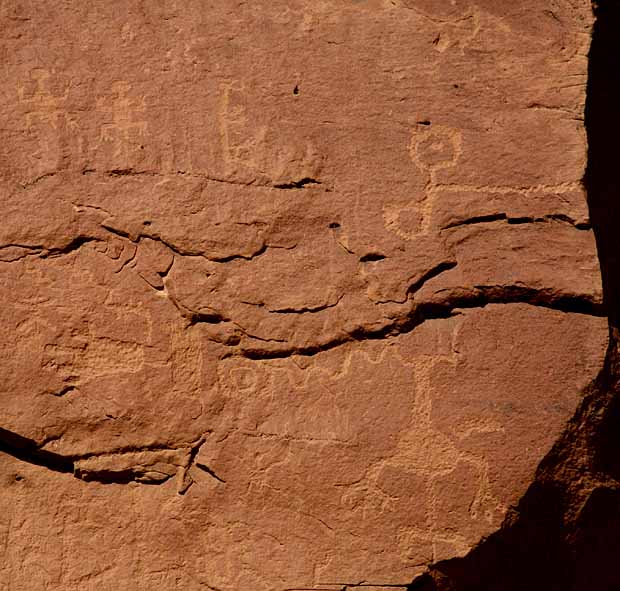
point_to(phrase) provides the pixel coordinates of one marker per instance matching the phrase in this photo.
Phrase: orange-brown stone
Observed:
(319, 273)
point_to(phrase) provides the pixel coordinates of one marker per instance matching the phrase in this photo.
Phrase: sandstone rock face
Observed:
(320, 273)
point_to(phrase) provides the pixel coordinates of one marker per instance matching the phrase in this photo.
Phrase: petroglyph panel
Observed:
(295, 295)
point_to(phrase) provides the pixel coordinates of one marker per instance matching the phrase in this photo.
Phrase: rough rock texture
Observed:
(564, 534)
(321, 273)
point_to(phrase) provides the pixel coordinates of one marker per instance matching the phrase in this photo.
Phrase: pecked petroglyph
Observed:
(293, 294)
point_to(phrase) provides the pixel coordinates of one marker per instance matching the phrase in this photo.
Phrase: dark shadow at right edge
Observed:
(565, 532)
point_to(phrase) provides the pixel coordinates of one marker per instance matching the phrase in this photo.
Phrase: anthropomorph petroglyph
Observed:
(123, 125)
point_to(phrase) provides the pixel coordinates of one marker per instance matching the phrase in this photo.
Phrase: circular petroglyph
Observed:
(434, 147)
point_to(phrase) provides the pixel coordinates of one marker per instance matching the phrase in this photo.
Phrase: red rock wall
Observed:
(295, 295)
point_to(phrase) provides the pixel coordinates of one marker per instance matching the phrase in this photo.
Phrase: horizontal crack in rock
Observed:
(152, 464)
(190, 253)
(46, 252)
(442, 307)
(135, 172)
(504, 217)
(300, 184)
(307, 309)
(345, 586)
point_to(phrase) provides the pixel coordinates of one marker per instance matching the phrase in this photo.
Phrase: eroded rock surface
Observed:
(322, 273)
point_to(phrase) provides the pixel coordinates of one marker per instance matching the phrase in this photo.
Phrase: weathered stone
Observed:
(321, 273)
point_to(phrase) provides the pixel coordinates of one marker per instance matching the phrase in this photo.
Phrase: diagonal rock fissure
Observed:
(430, 274)
(210, 471)
(27, 450)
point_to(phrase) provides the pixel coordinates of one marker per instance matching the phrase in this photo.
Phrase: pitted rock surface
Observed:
(322, 273)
